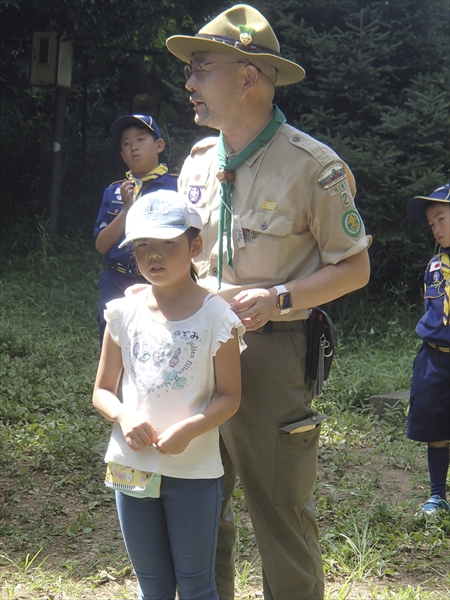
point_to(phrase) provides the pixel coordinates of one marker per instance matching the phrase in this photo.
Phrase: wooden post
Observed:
(60, 110)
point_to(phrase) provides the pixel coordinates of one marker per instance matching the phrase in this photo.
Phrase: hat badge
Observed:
(246, 34)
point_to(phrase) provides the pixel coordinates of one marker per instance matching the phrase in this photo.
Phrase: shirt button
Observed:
(215, 271)
(296, 138)
(263, 226)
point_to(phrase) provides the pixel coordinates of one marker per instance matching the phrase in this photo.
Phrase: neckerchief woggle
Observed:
(226, 176)
(139, 181)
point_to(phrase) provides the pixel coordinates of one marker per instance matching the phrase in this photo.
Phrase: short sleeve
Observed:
(230, 321)
(114, 318)
(335, 221)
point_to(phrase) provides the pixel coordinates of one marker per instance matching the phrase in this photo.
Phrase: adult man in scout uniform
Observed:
(281, 234)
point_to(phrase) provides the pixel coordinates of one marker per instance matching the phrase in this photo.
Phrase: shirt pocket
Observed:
(269, 246)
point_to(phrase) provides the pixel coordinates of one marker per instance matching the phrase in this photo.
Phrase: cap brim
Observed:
(184, 46)
(127, 121)
(418, 205)
(158, 233)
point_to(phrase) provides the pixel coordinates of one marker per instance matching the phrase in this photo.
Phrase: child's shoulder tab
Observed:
(116, 182)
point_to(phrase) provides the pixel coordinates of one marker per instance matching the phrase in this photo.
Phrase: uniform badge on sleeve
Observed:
(200, 179)
(436, 276)
(194, 194)
(435, 266)
(331, 176)
(351, 223)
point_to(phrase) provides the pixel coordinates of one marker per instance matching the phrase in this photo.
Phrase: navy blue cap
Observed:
(418, 205)
(128, 121)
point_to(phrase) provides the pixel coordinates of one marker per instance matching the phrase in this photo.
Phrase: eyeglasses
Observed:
(198, 68)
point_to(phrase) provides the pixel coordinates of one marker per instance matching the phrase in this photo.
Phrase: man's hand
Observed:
(255, 307)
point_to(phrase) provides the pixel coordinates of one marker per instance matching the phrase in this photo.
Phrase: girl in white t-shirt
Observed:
(178, 347)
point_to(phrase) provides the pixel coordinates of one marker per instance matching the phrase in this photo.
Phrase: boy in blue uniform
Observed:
(139, 140)
(429, 414)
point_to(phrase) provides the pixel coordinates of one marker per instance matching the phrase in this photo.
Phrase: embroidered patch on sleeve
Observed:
(199, 179)
(435, 265)
(437, 277)
(339, 188)
(331, 176)
(194, 194)
(351, 223)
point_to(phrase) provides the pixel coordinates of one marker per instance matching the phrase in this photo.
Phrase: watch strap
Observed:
(282, 289)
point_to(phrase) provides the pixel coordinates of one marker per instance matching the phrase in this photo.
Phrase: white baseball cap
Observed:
(162, 215)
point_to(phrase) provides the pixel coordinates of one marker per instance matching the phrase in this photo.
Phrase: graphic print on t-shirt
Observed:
(159, 362)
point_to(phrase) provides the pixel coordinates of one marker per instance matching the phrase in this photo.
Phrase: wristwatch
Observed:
(284, 299)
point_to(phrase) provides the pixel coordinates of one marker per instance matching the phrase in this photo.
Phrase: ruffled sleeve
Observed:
(230, 321)
(114, 318)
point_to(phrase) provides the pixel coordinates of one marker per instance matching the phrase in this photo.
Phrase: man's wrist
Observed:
(283, 299)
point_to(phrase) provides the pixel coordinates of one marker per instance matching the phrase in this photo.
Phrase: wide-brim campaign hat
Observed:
(131, 120)
(418, 205)
(242, 31)
(161, 215)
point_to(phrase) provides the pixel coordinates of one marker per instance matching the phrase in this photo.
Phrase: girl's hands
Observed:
(175, 439)
(138, 433)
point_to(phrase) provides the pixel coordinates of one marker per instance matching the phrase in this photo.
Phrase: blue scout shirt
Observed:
(434, 326)
(112, 205)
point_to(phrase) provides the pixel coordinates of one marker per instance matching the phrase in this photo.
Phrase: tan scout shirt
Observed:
(293, 213)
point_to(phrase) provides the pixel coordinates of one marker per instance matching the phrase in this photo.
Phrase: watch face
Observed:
(284, 301)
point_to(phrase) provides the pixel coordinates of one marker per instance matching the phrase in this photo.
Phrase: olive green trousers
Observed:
(277, 470)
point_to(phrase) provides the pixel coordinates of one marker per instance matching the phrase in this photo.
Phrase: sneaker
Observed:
(433, 504)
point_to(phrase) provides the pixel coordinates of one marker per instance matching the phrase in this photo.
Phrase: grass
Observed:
(59, 536)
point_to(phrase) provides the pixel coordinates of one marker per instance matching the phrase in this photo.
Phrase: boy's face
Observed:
(140, 150)
(438, 215)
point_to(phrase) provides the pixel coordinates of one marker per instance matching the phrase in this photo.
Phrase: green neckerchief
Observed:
(226, 176)
(139, 182)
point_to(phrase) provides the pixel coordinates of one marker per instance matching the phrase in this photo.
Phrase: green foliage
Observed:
(47, 360)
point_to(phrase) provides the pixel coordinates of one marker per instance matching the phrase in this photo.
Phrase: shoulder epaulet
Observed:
(208, 142)
(440, 257)
(320, 151)
(116, 182)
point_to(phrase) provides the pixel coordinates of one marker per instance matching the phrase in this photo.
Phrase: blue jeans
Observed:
(171, 540)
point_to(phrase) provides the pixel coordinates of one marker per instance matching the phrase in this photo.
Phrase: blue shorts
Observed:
(429, 410)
